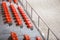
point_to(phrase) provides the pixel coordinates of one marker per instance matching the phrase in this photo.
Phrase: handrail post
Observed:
(22, 1)
(31, 13)
(38, 21)
(48, 34)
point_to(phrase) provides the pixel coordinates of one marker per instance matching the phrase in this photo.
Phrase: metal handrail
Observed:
(39, 17)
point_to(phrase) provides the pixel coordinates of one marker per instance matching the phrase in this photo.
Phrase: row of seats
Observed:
(26, 37)
(15, 13)
(26, 19)
(6, 12)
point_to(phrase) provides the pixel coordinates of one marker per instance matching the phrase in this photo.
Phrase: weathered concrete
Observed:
(49, 10)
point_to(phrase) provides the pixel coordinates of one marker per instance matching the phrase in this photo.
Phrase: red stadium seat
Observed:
(26, 19)
(38, 38)
(23, 14)
(18, 19)
(28, 23)
(20, 10)
(14, 36)
(26, 37)
(15, 1)
(6, 12)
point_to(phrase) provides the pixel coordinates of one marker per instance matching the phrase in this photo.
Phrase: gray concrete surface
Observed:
(49, 10)
(5, 29)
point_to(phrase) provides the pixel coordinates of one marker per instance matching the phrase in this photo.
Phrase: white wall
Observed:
(49, 10)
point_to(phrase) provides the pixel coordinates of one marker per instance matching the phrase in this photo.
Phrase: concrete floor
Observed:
(5, 29)
(49, 10)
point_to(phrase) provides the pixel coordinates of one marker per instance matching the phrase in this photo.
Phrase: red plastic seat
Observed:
(38, 38)
(29, 25)
(15, 1)
(20, 10)
(26, 37)
(23, 14)
(27, 21)
(6, 12)
(25, 18)
(18, 19)
(14, 36)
